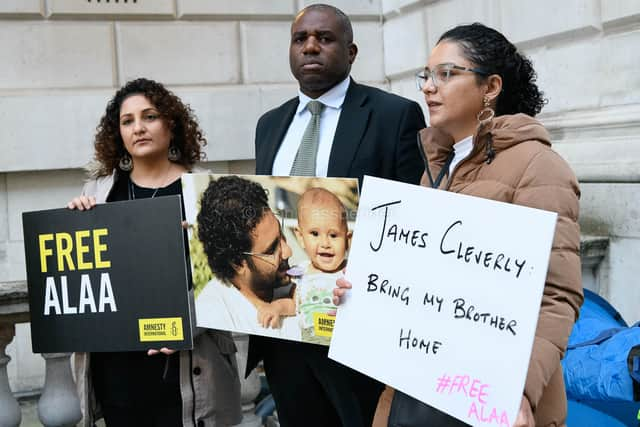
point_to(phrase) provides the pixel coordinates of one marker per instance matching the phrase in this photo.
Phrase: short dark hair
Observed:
(230, 208)
(490, 50)
(342, 17)
(187, 135)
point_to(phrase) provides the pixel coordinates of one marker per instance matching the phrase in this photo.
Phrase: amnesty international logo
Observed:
(323, 324)
(163, 329)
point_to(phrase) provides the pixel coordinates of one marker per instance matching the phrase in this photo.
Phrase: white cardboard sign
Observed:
(445, 299)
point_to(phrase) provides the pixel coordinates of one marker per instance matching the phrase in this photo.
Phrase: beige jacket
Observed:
(210, 393)
(512, 161)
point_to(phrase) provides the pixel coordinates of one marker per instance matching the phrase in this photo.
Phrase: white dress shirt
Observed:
(333, 100)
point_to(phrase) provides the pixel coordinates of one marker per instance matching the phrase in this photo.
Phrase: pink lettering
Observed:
(483, 415)
(504, 420)
(483, 393)
(470, 388)
(473, 411)
(459, 383)
(493, 416)
(463, 383)
(478, 391)
(473, 391)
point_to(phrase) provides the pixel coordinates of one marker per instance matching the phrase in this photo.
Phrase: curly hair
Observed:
(230, 208)
(490, 50)
(187, 135)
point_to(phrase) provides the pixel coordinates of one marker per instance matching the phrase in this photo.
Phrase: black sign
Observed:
(110, 279)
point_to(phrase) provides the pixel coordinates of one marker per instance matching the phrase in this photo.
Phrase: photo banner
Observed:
(314, 217)
(113, 278)
(445, 299)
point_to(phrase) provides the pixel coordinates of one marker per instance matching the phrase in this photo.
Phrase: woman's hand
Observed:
(525, 414)
(342, 286)
(82, 203)
(163, 350)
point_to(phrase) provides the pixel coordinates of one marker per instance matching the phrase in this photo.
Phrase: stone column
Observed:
(10, 415)
(593, 249)
(59, 405)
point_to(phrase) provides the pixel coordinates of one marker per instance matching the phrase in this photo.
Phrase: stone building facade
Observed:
(61, 60)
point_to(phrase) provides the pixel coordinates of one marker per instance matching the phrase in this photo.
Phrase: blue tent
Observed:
(602, 360)
(583, 415)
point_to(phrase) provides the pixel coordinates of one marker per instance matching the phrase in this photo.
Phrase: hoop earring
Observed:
(486, 114)
(125, 164)
(174, 153)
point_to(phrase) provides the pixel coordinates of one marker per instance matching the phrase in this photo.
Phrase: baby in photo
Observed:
(323, 233)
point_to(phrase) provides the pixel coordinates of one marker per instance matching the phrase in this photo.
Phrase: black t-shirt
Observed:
(133, 378)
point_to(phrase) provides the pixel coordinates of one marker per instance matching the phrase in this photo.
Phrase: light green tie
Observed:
(305, 162)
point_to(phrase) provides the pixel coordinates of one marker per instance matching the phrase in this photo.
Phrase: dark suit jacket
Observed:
(377, 134)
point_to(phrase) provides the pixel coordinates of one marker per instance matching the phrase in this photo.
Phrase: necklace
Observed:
(132, 193)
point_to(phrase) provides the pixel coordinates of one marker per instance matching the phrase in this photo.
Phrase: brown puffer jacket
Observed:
(512, 161)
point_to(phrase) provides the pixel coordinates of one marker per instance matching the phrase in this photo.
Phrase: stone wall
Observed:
(63, 59)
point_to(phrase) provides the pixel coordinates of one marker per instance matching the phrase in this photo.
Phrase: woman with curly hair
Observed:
(483, 141)
(145, 141)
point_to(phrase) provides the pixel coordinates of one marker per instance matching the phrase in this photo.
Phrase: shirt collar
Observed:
(463, 145)
(333, 98)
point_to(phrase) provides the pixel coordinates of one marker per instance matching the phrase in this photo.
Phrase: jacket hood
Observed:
(507, 131)
(497, 135)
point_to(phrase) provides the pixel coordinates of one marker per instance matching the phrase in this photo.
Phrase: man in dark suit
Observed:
(358, 130)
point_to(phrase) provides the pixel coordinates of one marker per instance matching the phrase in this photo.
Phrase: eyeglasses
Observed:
(441, 74)
(273, 257)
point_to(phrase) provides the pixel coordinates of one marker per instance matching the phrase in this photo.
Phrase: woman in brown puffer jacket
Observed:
(483, 141)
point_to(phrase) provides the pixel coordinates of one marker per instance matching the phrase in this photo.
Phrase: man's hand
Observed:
(342, 286)
(163, 350)
(525, 414)
(82, 203)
